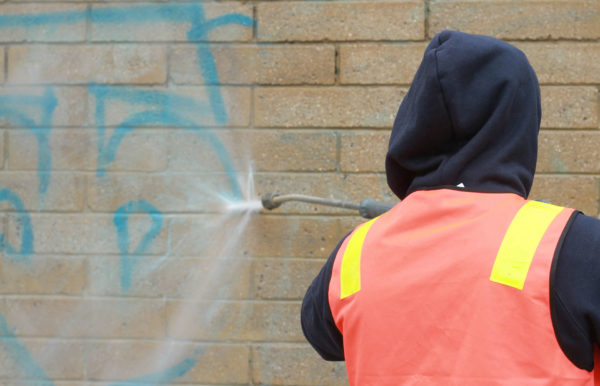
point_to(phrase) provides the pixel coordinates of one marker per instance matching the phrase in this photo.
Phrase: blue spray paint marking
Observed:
(26, 247)
(120, 219)
(167, 107)
(133, 14)
(199, 30)
(163, 377)
(11, 109)
(162, 112)
(191, 13)
(200, 27)
(51, 18)
(20, 354)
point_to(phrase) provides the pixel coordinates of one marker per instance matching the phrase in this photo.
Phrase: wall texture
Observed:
(127, 127)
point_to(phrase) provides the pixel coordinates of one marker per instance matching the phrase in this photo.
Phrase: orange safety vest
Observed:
(452, 288)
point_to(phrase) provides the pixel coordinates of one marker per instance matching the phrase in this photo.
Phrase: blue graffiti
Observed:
(15, 109)
(158, 108)
(191, 12)
(24, 220)
(121, 217)
(199, 30)
(200, 27)
(163, 109)
(53, 18)
(19, 352)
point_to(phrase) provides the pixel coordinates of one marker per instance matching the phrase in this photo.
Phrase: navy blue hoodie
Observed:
(472, 117)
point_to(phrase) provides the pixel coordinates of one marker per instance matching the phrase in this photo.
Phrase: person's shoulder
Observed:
(575, 290)
(583, 231)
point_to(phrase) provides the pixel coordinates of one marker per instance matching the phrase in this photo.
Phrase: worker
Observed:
(464, 281)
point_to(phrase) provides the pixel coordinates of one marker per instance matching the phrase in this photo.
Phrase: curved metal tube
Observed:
(273, 200)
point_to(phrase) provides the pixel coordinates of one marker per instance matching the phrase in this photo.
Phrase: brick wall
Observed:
(125, 126)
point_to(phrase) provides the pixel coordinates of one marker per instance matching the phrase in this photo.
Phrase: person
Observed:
(464, 281)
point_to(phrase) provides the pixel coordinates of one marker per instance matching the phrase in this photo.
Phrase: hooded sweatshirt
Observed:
(471, 119)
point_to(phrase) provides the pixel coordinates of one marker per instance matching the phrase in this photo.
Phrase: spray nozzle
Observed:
(368, 208)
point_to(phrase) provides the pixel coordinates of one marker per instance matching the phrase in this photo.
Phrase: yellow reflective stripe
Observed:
(521, 241)
(350, 269)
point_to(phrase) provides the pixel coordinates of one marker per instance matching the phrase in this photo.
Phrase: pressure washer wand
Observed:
(368, 208)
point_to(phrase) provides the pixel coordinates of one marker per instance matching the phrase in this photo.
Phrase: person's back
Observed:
(460, 283)
(435, 293)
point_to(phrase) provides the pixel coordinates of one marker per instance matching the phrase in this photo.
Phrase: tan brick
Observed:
(42, 23)
(347, 188)
(380, 63)
(56, 359)
(348, 224)
(167, 22)
(188, 278)
(85, 233)
(170, 193)
(564, 62)
(78, 150)
(518, 20)
(284, 278)
(264, 64)
(123, 63)
(363, 151)
(294, 365)
(202, 236)
(580, 192)
(71, 317)
(264, 150)
(2, 142)
(216, 363)
(66, 106)
(569, 107)
(13, 382)
(235, 321)
(47, 275)
(193, 107)
(254, 236)
(314, 21)
(70, 150)
(2, 66)
(65, 191)
(319, 107)
(569, 152)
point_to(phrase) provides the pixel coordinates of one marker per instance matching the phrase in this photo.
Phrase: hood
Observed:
(471, 116)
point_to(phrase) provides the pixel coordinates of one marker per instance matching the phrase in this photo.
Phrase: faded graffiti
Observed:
(153, 107)
(128, 257)
(22, 111)
(26, 247)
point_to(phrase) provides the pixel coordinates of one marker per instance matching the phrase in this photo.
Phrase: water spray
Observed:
(368, 208)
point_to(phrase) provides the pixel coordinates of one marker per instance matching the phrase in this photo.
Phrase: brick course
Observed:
(323, 107)
(263, 64)
(531, 20)
(133, 64)
(379, 63)
(174, 28)
(26, 30)
(564, 62)
(357, 20)
(126, 130)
